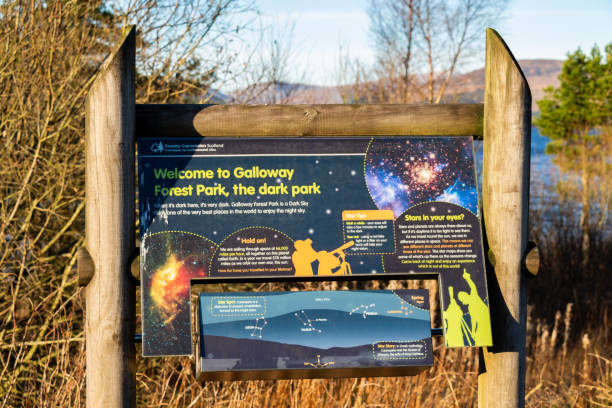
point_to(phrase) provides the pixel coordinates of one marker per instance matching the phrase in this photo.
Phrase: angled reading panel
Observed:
(313, 334)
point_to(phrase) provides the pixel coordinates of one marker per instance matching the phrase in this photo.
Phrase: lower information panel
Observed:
(313, 334)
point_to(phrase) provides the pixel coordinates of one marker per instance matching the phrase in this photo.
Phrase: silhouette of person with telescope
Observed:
(305, 255)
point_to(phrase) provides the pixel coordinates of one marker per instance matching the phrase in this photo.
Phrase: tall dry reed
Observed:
(42, 364)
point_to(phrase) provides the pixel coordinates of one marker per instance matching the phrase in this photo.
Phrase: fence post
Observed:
(109, 225)
(505, 190)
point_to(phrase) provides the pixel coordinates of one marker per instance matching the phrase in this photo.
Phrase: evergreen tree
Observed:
(576, 116)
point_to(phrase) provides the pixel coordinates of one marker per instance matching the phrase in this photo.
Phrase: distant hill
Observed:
(464, 88)
(287, 93)
(540, 74)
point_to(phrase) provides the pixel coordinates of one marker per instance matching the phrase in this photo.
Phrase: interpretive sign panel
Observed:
(314, 334)
(213, 207)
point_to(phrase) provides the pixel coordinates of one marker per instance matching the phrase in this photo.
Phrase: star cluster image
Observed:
(403, 172)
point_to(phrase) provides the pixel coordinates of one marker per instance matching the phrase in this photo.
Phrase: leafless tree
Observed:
(267, 74)
(353, 78)
(185, 47)
(420, 44)
(50, 52)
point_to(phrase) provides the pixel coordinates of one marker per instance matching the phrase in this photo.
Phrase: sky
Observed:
(533, 29)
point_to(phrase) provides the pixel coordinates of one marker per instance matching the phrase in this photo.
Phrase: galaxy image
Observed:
(171, 260)
(401, 173)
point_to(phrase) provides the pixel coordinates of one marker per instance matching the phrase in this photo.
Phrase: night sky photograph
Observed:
(401, 175)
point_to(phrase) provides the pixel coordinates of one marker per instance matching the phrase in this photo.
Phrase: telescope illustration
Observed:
(329, 260)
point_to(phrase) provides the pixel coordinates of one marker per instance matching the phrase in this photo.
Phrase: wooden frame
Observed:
(114, 122)
(110, 223)
(308, 120)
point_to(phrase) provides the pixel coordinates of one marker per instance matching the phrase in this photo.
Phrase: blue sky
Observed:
(532, 29)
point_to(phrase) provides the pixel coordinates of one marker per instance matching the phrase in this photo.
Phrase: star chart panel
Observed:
(319, 331)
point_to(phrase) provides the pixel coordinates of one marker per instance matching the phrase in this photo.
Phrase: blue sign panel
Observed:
(307, 208)
(314, 334)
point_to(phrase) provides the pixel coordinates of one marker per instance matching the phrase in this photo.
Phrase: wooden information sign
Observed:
(370, 223)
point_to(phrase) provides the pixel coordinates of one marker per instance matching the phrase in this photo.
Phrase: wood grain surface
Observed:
(505, 191)
(109, 219)
(308, 120)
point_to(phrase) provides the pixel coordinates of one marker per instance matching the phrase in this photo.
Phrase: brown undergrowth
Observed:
(42, 350)
(568, 363)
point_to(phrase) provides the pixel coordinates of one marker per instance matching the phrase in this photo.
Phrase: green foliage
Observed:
(575, 114)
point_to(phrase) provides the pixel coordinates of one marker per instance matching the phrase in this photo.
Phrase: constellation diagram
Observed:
(257, 329)
(404, 309)
(364, 310)
(318, 364)
(307, 322)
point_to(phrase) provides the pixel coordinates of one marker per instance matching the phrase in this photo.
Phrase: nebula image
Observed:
(169, 286)
(401, 173)
(170, 261)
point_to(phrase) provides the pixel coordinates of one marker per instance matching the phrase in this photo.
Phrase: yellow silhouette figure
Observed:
(345, 267)
(479, 313)
(328, 261)
(454, 324)
(303, 257)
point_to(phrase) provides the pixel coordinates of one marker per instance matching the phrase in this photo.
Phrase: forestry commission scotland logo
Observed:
(157, 147)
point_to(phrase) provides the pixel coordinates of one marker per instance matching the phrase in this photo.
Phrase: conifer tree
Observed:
(576, 116)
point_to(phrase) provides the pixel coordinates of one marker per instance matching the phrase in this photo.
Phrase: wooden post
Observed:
(110, 200)
(505, 190)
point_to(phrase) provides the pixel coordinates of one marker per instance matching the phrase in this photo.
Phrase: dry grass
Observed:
(42, 363)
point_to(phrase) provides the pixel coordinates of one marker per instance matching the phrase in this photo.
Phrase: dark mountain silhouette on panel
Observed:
(246, 354)
(336, 328)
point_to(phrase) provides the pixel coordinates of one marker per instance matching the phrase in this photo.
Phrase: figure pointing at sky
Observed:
(453, 322)
(479, 313)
